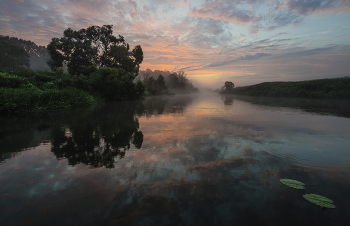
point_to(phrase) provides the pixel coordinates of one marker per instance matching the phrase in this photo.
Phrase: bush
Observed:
(30, 98)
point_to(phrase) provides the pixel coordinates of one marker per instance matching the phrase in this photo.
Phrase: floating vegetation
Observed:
(293, 183)
(319, 200)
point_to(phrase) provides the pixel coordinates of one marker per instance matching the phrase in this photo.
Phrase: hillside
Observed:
(320, 88)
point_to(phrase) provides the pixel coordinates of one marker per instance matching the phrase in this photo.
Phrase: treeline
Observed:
(164, 82)
(320, 88)
(17, 52)
(100, 67)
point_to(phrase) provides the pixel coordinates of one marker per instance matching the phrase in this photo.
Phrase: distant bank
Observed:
(320, 88)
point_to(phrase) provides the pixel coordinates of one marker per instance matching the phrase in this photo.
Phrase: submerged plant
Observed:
(293, 183)
(319, 200)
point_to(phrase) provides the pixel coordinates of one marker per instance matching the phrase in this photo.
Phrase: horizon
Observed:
(243, 41)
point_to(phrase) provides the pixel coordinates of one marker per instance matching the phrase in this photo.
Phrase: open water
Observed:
(201, 159)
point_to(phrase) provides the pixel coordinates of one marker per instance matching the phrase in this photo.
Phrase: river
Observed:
(201, 159)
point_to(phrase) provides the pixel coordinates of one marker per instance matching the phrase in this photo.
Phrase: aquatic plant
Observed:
(293, 183)
(319, 200)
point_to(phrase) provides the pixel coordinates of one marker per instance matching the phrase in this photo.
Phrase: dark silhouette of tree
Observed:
(154, 86)
(173, 80)
(161, 83)
(229, 85)
(94, 46)
(11, 55)
(227, 88)
(38, 55)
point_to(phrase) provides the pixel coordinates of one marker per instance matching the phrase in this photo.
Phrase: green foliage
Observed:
(94, 46)
(319, 200)
(11, 81)
(115, 84)
(106, 83)
(30, 98)
(321, 88)
(293, 183)
(100, 66)
(155, 87)
(11, 55)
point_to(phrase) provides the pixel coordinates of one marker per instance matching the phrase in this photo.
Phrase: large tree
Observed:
(94, 46)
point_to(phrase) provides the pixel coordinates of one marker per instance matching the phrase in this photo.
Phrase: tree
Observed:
(229, 86)
(12, 55)
(94, 46)
(161, 83)
(174, 80)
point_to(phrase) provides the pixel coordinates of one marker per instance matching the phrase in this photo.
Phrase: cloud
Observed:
(226, 11)
(311, 52)
(246, 57)
(218, 38)
(307, 7)
(206, 33)
(267, 15)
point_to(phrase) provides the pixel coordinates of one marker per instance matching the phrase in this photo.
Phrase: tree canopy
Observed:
(227, 87)
(94, 46)
(12, 55)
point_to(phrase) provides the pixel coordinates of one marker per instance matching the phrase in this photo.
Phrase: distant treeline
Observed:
(165, 82)
(320, 88)
(17, 52)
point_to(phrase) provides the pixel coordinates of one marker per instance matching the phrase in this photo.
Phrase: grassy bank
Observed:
(320, 88)
(33, 99)
(24, 90)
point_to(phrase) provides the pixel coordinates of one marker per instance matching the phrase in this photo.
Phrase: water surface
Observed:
(203, 159)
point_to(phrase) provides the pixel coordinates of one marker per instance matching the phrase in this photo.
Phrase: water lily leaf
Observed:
(319, 200)
(293, 183)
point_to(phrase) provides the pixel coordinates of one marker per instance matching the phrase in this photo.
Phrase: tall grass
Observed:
(32, 99)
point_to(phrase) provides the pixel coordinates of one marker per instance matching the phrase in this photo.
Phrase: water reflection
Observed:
(90, 136)
(227, 99)
(336, 107)
(93, 136)
(186, 160)
(166, 104)
(98, 139)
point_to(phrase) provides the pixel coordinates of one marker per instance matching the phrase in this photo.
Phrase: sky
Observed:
(213, 41)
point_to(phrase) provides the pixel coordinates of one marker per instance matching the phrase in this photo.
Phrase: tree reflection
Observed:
(227, 99)
(165, 105)
(94, 136)
(97, 140)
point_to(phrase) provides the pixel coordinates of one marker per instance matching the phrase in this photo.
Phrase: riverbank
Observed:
(338, 88)
(24, 90)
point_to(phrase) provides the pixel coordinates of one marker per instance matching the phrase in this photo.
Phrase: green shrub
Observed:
(31, 98)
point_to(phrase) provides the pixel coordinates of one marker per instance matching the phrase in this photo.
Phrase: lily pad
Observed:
(293, 183)
(319, 200)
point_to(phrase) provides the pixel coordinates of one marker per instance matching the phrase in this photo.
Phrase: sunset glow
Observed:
(244, 41)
